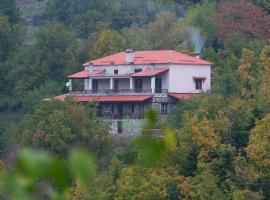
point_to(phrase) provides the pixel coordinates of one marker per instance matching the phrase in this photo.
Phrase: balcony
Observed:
(105, 92)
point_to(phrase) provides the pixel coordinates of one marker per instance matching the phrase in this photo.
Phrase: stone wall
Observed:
(131, 127)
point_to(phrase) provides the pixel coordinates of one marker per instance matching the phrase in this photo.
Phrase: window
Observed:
(137, 70)
(115, 71)
(164, 108)
(198, 84)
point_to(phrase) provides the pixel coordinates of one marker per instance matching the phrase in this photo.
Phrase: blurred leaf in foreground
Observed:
(150, 149)
(82, 165)
(39, 173)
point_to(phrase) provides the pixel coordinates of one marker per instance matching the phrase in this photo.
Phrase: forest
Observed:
(215, 145)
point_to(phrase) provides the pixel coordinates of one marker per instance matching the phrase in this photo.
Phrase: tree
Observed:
(54, 55)
(248, 73)
(264, 4)
(258, 154)
(58, 126)
(243, 17)
(136, 182)
(241, 117)
(198, 16)
(202, 186)
(258, 147)
(108, 42)
(9, 9)
(264, 87)
(85, 16)
(10, 40)
(163, 33)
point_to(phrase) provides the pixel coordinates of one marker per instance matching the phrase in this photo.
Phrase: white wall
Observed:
(165, 80)
(181, 78)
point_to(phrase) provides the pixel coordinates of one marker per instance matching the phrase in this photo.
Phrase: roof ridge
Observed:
(148, 56)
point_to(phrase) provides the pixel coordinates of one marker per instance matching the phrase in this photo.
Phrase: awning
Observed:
(150, 72)
(126, 98)
(85, 74)
(199, 78)
(182, 95)
(120, 98)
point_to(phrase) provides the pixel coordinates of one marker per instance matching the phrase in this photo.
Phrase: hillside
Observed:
(32, 11)
(214, 145)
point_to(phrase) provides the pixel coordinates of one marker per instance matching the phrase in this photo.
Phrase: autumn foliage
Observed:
(243, 17)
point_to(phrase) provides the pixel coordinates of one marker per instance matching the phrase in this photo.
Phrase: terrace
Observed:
(105, 92)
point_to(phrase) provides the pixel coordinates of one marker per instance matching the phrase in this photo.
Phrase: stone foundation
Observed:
(130, 127)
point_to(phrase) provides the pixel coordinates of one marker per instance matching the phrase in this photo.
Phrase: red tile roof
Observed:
(85, 74)
(182, 95)
(120, 98)
(150, 57)
(81, 74)
(150, 72)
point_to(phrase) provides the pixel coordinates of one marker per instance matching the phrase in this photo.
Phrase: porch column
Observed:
(153, 84)
(111, 83)
(90, 87)
(131, 83)
(70, 84)
(86, 84)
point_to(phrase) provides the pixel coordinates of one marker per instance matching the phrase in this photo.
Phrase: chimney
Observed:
(197, 55)
(129, 56)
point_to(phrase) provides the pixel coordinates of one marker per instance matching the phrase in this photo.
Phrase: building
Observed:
(127, 83)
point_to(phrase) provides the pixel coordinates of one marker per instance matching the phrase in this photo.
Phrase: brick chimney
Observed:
(129, 56)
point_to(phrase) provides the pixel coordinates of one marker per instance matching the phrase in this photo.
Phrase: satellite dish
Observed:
(67, 84)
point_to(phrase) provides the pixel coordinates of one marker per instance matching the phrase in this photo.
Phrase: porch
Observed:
(105, 92)
(120, 86)
(143, 82)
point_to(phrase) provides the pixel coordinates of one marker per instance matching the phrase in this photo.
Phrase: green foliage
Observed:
(9, 9)
(215, 146)
(139, 183)
(198, 16)
(164, 32)
(81, 165)
(108, 42)
(264, 4)
(58, 126)
(35, 167)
